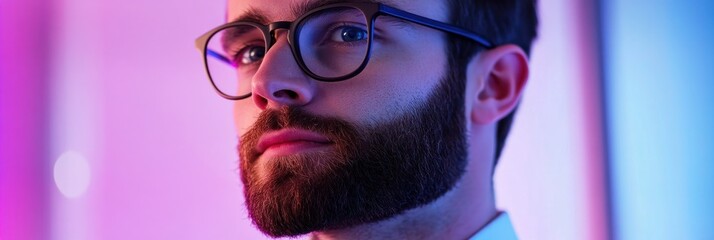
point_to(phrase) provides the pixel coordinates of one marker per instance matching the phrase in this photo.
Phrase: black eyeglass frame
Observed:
(371, 12)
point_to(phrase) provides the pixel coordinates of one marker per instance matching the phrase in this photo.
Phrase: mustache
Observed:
(290, 117)
(293, 117)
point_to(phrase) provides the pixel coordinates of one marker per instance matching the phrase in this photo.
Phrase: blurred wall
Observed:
(659, 70)
(24, 28)
(130, 100)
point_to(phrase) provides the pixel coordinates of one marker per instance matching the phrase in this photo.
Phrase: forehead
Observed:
(286, 10)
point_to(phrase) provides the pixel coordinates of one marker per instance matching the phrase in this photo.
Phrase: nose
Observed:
(279, 80)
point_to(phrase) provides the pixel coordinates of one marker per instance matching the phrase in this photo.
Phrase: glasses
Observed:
(330, 43)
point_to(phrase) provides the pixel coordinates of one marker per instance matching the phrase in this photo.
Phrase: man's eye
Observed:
(348, 34)
(251, 54)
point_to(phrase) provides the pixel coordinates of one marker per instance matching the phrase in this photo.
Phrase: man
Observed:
(372, 119)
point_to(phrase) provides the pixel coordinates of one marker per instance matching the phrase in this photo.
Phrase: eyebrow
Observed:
(252, 15)
(258, 16)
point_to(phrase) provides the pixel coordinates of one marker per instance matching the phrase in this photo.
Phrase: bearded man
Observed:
(372, 119)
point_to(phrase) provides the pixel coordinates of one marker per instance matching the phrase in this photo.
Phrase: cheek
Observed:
(244, 115)
(393, 81)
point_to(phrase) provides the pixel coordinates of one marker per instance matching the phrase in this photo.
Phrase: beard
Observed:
(369, 173)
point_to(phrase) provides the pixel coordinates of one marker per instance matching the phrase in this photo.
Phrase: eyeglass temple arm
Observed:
(201, 45)
(434, 24)
(218, 56)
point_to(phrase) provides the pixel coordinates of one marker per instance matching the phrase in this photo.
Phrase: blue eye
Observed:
(348, 34)
(251, 54)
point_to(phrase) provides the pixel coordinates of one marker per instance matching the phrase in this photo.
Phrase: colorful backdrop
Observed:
(110, 130)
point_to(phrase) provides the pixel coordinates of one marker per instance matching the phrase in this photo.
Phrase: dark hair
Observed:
(501, 22)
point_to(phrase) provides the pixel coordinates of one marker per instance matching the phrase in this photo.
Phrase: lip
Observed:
(290, 141)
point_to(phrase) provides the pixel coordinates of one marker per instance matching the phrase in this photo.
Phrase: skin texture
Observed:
(402, 74)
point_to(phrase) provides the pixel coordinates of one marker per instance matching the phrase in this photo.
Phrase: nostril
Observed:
(260, 101)
(289, 94)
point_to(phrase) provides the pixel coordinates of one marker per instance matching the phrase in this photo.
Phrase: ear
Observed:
(499, 75)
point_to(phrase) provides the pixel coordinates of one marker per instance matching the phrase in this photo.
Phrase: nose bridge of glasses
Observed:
(273, 27)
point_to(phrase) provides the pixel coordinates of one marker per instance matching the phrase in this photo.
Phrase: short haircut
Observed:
(501, 22)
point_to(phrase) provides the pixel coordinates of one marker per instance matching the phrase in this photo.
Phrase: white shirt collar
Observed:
(500, 228)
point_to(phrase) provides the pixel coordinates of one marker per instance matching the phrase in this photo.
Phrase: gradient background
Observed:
(110, 130)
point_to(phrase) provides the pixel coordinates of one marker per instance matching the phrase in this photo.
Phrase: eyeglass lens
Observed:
(332, 43)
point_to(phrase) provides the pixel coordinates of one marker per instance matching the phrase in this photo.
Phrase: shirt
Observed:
(500, 228)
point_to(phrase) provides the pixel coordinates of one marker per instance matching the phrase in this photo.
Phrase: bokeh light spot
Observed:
(72, 174)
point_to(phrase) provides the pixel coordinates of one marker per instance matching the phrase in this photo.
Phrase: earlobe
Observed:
(500, 75)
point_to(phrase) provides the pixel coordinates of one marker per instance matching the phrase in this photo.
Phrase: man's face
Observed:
(402, 70)
(319, 155)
